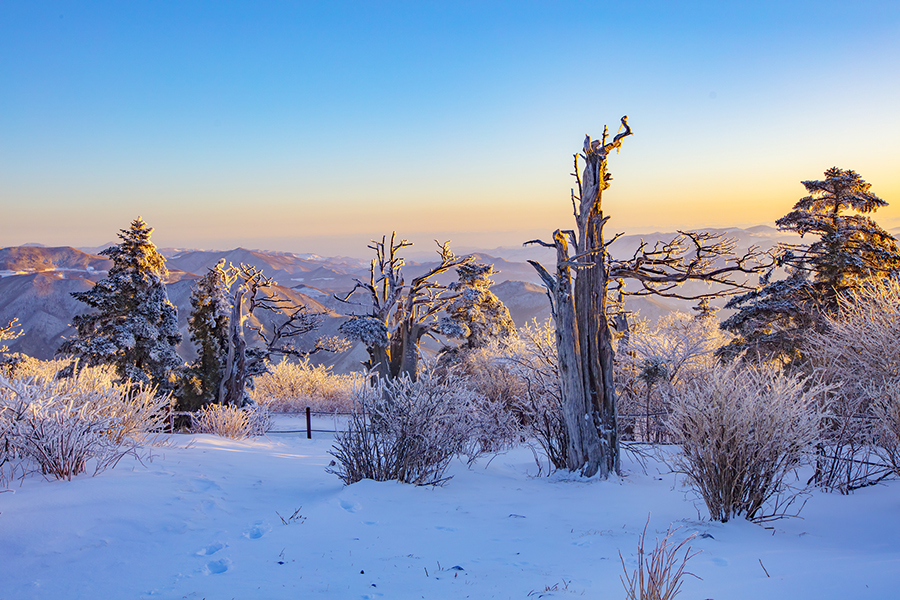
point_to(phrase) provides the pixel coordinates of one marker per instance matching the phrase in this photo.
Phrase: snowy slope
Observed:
(201, 520)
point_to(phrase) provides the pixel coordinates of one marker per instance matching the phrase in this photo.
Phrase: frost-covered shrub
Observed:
(290, 387)
(44, 370)
(859, 358)
(497, 410)
(230, 421)
(743, 432)
(407, 431)
(652, 362)
(61, 425)
(886, 410)
(533, 361)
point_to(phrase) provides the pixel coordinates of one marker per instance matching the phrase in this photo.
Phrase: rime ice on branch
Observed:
(400, 315)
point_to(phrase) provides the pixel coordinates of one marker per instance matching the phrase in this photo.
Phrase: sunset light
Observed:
(313, 127)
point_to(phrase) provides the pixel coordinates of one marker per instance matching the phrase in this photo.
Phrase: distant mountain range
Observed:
(36, 283)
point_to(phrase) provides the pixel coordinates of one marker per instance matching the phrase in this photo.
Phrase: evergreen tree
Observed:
(476, 314)
(209, 327)
(133, 326)
(851, 249)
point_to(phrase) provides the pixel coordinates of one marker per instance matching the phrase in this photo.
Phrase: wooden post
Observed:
(308, 424)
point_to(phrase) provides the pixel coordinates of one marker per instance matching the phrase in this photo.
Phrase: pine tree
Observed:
(851, 249)
(134, 326)
(209, 327)
(476, 315)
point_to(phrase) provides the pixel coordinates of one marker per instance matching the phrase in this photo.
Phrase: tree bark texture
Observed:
(583, 337)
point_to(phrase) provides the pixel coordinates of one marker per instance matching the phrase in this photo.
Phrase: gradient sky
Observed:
(315, 126)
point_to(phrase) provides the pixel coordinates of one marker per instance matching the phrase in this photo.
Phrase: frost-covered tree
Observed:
(476, 315)
(659, 361)
(133, 325)
(208, 324)
(579, 301)
(8, 332)
(851, 249)
(399, 315)
(223, 302)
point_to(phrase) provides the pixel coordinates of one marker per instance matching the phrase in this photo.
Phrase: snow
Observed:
(201, 520)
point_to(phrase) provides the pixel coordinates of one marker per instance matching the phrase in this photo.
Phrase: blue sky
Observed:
(314, 126)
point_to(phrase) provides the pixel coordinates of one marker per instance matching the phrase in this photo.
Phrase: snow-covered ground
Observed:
(201, 520)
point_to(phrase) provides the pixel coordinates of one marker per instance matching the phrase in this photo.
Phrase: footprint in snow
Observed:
(720, 562)
(217, 567)
(202, 484)
(211, 549)
(350, 507)
(258, 530)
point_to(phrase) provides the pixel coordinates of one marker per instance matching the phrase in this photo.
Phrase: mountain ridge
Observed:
(36, 282)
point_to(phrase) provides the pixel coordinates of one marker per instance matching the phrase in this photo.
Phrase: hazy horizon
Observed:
(314, 127)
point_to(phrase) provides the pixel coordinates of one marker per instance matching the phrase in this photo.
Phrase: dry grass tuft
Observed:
(291, 386)
(658, 576)
(231, 422)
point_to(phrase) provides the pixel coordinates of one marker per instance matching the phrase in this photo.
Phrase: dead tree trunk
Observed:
(234, 380)
(584, 339)
(591, 297)
(584, 448)
(249, 291)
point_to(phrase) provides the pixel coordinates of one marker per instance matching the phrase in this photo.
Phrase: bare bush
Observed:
(61, 425)
(28, 368)
(291, 386)
(230, 421)
(659, 576)
(496, 411)
(407, 431)
(743, 431)
(533, 360)
(858, 356)
(886, 410)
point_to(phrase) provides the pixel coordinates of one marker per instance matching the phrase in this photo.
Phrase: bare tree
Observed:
(7, 333)
(248, 291)
(584, 339)
(400, 315)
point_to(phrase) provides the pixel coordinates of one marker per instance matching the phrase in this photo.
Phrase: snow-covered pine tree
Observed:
(209, 327)
(476, 315)
(134, 326)
(851, 248)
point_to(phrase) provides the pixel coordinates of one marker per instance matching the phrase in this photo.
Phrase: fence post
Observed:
(308, 424)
